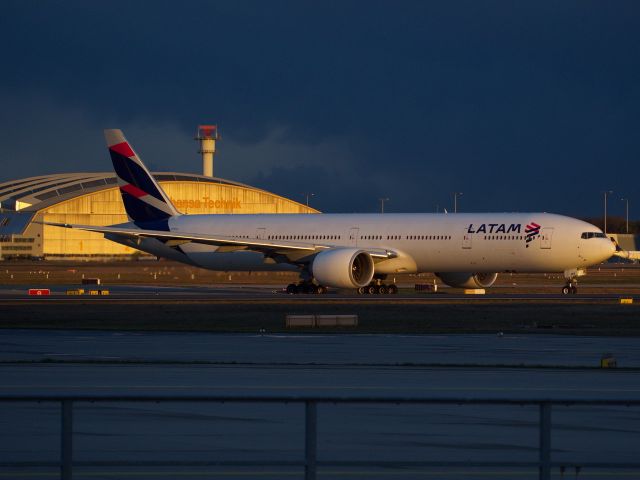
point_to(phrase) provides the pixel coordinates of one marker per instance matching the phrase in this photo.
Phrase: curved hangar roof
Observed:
(94, 199)
(37, 193)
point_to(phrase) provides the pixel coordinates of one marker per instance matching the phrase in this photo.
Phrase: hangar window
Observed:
(71, 188)
(184, 178)
(94, 183)
(7, 192)
(47, 187)
(13, 184)
(47, 195)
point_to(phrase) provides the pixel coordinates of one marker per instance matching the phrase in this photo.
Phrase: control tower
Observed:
(207, 135)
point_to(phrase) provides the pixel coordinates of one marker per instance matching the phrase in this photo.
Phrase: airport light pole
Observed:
(626, 211)
(382, 200)
(455, 201)
(606, 193)
(309, 195)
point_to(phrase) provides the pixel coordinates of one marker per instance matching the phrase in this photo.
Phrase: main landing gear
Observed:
(306, 287)
(378, 289)
(570, 288)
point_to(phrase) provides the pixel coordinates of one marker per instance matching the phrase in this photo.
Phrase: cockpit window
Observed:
(587, 235)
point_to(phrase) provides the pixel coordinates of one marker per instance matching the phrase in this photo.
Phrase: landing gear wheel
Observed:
(292, 289)
(574, 289)
(321, 290)
(382, 289)
(392, 290)
(372, 289)
(566, 289)
(362, 291)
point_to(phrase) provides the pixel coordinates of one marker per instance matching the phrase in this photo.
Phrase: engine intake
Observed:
(468, 280)
(343, 268)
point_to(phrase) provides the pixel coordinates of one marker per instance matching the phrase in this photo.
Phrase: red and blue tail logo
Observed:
(143, 198)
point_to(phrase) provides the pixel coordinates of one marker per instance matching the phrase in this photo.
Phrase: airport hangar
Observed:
(94, 199)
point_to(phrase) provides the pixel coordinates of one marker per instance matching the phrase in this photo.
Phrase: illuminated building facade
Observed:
(94, 199)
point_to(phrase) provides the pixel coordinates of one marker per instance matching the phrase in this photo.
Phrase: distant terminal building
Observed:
(94, 199)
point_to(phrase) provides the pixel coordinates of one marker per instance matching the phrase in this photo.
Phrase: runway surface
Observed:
(316, 349)
(115, 363)
(119, 293)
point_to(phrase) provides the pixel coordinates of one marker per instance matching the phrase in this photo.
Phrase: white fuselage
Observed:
(470, 242)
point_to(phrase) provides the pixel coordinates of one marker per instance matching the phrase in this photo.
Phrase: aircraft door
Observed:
(466, 239)
(261, 233)
(353, 236)
(546, 234)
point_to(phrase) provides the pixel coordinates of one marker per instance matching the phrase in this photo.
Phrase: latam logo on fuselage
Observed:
(495, 228)
(532, 230)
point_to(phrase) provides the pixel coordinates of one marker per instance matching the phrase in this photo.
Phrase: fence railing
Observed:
(545, 463)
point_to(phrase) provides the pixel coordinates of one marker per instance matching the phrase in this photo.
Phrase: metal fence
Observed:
(545, 463)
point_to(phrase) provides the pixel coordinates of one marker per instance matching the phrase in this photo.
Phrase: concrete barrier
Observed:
(321, 321)
(336, 320)
(300, 321)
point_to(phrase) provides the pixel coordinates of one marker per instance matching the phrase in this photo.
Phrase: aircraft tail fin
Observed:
(144, 200)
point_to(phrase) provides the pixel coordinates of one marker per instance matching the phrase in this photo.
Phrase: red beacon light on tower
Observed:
(207, 135)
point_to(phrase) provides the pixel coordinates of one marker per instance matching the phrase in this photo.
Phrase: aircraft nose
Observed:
(608, 249)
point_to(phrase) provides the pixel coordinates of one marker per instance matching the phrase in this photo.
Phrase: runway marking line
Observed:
(345, 473)
(315, 387)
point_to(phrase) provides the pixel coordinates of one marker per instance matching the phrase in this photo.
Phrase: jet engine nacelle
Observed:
(468, 280)
(343, 268)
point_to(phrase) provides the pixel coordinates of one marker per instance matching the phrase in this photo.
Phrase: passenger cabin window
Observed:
(587, 235)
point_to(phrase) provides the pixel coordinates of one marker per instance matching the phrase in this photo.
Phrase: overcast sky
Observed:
(523, 106)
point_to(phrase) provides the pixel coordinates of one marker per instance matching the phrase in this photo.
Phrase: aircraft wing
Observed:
(260, 245)
(628, 254)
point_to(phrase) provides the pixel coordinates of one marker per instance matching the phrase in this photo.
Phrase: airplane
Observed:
(350, 251)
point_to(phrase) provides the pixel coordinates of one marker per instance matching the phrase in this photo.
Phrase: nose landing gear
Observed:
(571, 276)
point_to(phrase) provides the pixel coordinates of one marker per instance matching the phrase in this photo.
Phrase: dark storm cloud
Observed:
(522, 106)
